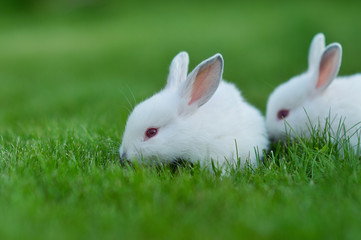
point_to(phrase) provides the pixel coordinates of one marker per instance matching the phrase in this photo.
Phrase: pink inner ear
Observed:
(327, 68)
(199, 85)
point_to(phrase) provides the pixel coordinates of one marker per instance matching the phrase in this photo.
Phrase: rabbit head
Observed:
(287, 105)
(153, 130)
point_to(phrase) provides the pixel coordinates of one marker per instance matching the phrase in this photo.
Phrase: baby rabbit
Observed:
(198, 117)
(317, 97)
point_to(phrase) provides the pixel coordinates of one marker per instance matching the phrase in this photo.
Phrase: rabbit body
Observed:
(213, 130)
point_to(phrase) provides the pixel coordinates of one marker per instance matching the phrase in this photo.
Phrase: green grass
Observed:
(69, 77)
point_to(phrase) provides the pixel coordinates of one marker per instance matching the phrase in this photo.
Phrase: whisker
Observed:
(128, 100)
(132, 94)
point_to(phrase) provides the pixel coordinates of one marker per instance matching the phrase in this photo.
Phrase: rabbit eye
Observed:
(151, 132)
(283, 113)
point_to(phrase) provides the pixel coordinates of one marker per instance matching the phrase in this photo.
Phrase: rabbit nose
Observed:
(124, 159)
(124, 156)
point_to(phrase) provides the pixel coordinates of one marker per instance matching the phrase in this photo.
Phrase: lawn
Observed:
(69, 77)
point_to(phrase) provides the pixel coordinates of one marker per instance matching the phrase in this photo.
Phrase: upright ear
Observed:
(317, 47)
(329, 65)
(178, 70)
(201, 83)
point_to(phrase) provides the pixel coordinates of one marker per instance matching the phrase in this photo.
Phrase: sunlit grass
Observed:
(70, 184)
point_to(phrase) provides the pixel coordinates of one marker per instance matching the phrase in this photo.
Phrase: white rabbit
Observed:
(198, 117)
(316, 98)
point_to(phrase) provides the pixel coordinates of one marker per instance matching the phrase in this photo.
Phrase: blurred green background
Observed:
(84, 60)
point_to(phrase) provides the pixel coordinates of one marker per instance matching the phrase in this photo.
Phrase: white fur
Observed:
(310, 101)
(209, 128)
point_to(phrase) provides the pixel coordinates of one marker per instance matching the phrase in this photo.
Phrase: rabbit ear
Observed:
(316, 49)
(178, 70)
(202, 82)
(329, 65)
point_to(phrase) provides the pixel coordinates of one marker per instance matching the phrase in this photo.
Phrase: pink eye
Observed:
(283, 113)
(151, 132)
